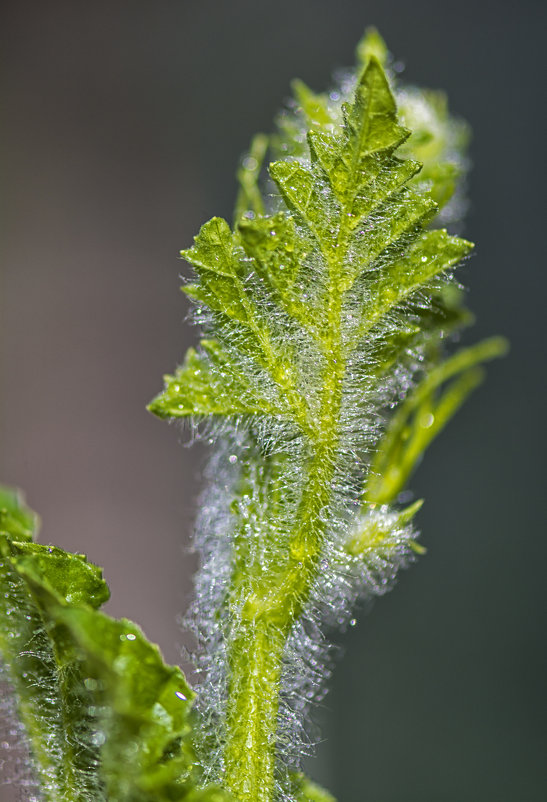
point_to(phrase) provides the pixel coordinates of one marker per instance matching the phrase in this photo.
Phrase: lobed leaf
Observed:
(433, 253)
(372, 124)
(220, 270)
(105, 717)
(310, 199)
(279, 258)
(143, 708)
(53, 701)
(212, 384)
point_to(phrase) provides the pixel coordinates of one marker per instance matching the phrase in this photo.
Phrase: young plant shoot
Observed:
(327, 311)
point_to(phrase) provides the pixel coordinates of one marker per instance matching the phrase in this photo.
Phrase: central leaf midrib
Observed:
(307, 539)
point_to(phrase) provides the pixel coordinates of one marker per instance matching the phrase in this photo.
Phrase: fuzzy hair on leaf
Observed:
(322, 377)
(323, 372)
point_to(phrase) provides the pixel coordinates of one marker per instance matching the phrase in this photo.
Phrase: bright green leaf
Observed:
(313, 106)
(423, 415)
(105, 717)
(433, 253)
(211, 384)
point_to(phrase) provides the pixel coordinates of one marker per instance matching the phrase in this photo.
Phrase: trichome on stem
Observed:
(327, 312)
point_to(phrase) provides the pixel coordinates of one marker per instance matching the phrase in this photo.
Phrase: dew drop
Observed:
(250, 163)
(98, 738)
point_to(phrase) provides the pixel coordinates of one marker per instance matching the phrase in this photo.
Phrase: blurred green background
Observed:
(121, 125)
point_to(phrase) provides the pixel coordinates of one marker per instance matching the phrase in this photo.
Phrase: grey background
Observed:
(121, 124)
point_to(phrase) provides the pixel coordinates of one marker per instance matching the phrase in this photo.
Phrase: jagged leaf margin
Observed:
(105, 717)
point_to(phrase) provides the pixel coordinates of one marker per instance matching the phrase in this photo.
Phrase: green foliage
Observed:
(307, 791)
(423, 415)
(316, 301)
(269, 260)
(326, 310)
(107, 719)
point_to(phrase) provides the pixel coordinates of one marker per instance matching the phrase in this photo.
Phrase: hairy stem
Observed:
(263, 625)
(268, 608)
(255, 666)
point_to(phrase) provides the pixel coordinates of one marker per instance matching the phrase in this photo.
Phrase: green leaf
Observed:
(144, 708)
(372, 122)
(438, 141)
(211, 384)
(433, 253)
(279, 257)
(423, 415)
(354, 223)
(308, 110)
(323, 304)
(307, 791)
(311, 199)
(221, 271)
(53, 701)
(105, 717)
(16, 519)
(374, 532)
(226, 285)
(358, 177)
(372, 46)
(314, 107)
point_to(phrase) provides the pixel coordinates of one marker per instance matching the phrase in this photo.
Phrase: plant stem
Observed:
(263, 624)
(266, 603)
(255, 668)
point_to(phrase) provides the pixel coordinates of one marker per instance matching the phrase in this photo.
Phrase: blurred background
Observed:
(121, 126)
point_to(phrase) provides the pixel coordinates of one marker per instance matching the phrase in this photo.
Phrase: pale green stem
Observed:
(256, 651)
(271, 606)
(255, 670)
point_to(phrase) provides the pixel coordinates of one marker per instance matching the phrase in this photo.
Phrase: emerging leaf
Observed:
(326, 307)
